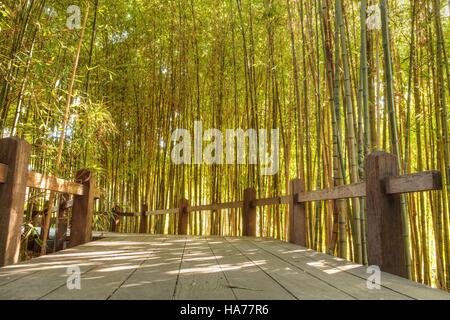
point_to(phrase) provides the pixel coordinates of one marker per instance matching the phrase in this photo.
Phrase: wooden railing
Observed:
(382, 190)
(15, 179)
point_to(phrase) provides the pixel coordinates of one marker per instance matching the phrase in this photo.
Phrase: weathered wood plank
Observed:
(297, 215)
(356, 190)
(246, 279)
(271, 201)
(249, 213)
(183, 217)
(300, 284)
(200, 276)
(141, 267)
(83, 210)
(103, 280)
(161, 212)
(15, 272)
(157, 276)
(62, 223)
(398, 284)
(416, 182)
(143, 227)
(386, 246)
(266, 202)
(39, 181)
(342, 280)
(15, 154)
(43, 275)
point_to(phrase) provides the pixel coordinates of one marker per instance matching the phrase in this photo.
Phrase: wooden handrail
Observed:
(270, 201)
(415, 182)
(161, 212)
(15, 178)
(340, 192)
(39, 181)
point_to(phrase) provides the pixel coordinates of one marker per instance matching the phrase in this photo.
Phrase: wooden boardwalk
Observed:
(144, 267)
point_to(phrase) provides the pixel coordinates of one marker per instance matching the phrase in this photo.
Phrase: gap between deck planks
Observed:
(145, 267)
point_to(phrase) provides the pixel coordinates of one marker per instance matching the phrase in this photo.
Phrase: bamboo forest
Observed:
(121, 88)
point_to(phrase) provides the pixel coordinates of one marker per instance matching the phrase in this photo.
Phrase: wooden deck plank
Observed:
(146, 267)
(66, 257)
(302, 285)
(156, 279)
(347, 282)
(403, 286)
(246, 279)
(100, 282)
(51, 271)
(200, 276)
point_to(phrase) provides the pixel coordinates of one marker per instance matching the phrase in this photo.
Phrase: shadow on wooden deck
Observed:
(145, 267)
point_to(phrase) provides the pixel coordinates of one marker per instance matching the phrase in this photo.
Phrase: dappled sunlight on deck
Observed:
(186, 267)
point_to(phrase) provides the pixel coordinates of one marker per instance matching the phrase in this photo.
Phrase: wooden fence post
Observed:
(61, 229)
(249, 214)
(115, 219)
(144, 219)
(183, 217)
(83, 210)
(14, 153)
(112, 221)
(297, 215)
(386, 248)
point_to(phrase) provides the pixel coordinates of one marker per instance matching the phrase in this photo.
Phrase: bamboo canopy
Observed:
(104, 85)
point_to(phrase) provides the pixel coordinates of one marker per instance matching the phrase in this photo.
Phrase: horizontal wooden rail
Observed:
(381, 190)
(416, 182)
(356, 190)
(270, 201)
(209, 207)
(40, 181)
(160, 212)
(15, 178)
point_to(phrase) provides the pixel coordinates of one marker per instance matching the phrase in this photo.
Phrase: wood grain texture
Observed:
(143, 225)
(200, 277)
(62, 222)
(299, 284)
(297, 215)
(160, 212)
(244, 276)
(356, 190)
(183, 217)
(39, 181)
(153, 267)
(416, 182)
(15, 154)
(386, 247)
(249, 213)
(83, 210)
(405, 287)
